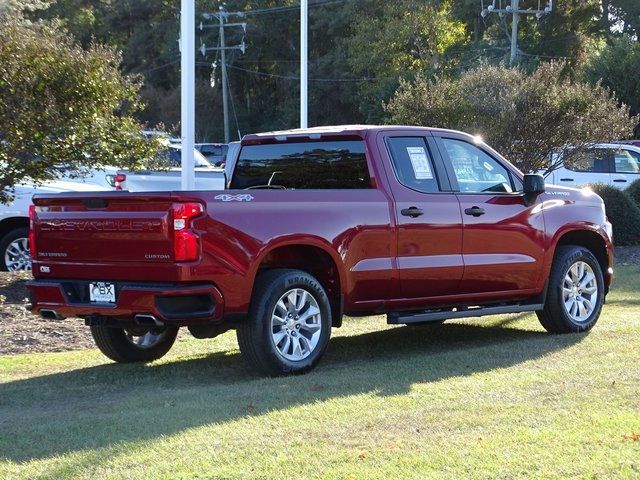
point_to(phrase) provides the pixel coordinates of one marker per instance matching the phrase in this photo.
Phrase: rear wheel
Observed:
(289, 323)
(575, 294)
(14, 251)
(137, 344)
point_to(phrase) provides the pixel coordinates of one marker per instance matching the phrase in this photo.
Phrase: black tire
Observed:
(114, 343)
(554, 317)
(11, 236)
(255, 334)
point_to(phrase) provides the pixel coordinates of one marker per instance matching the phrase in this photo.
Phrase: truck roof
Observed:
(326, 132)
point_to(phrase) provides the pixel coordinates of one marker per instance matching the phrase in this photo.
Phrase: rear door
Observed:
(591, 166)
(503, 238)
(429, 224)
(626, 167)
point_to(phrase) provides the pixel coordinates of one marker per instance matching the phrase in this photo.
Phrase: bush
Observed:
(524, 117)
(622, 212)
(634, 192)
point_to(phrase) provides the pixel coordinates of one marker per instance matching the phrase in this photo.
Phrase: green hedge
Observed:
(622, 212)
(634, 192)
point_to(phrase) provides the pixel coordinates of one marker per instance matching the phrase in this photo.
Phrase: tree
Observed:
(398, 39)
(62, 107)
(617, 66)
(524, 117)
(622, 16)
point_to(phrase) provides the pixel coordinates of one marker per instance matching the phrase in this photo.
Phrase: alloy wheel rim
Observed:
(146, 339)
(296, 324)
(580, 291)
(17, 256)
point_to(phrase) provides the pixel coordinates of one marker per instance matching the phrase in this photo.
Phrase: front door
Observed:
(429, 224)
(503, 238)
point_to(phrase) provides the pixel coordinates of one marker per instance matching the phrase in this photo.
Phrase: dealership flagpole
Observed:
(304, 64)
(187, 90)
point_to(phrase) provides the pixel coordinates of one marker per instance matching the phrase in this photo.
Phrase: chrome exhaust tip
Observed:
(147, 320)
(50, 314)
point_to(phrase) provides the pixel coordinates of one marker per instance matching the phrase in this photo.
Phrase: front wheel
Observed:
(136, 344)
(575, 294)
(289, 323)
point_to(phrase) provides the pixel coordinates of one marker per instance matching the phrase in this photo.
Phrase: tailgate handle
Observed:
(620, 180)
(94, 202)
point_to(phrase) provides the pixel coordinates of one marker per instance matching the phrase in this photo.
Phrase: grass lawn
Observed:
(492, 398)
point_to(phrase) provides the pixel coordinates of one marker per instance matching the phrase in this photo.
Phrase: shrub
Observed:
(524, 117)
(634, 192)
(622, 212)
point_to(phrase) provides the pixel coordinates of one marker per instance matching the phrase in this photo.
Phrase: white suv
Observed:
(613, 164)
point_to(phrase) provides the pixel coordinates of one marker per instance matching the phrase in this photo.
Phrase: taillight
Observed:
(186, 243)
(119, 180)
(32, 231)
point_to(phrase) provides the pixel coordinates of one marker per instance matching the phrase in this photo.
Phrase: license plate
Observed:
(102, 292)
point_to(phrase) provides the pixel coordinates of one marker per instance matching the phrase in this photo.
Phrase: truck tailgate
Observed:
(106, 227)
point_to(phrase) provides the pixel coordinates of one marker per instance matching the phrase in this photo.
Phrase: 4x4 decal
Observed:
(241, 197)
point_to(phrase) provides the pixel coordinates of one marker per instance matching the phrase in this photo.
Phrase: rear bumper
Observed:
(171, 304)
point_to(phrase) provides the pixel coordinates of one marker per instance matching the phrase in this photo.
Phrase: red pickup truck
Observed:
(421, 224)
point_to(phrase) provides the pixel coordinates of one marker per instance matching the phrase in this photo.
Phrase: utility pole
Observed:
(187, 91)
(304, 62)
(514, 9)
(225, 93)
(222, 16)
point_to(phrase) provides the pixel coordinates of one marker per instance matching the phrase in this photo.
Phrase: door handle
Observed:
(412, 212)
(620, 180)
(566, 179)
(475, 211)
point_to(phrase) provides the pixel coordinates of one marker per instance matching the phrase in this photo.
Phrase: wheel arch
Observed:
(11, 223)
(592, 240)
(312, 257)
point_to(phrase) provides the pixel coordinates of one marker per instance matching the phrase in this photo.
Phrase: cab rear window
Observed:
(305, 165)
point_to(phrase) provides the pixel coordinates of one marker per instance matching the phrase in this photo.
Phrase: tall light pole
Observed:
(304, 64)
(187, 90)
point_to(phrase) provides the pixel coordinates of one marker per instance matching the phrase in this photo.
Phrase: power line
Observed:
(515, 11)
(222, 15)
(267, 11)
(233, 108)
(291, 77)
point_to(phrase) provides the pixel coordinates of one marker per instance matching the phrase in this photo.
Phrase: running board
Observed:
(396, 318)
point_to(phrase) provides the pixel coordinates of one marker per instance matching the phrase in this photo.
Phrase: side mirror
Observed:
(533, 186)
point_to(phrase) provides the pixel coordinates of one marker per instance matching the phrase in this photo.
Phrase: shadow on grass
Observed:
(103, 405)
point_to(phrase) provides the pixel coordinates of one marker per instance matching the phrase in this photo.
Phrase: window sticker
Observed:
(420, 163)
